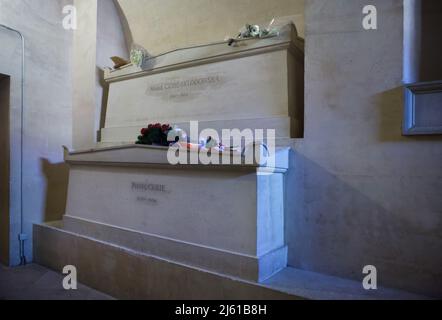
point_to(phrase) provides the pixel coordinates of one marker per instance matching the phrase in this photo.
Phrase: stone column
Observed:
(422, 47)
(412, 40)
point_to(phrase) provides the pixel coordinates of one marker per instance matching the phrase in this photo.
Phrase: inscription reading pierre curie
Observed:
(152, 187)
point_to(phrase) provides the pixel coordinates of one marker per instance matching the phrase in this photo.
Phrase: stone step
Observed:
(317, 286)
(127, 274)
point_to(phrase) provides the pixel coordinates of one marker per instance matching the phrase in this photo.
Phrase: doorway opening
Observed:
(4, 169)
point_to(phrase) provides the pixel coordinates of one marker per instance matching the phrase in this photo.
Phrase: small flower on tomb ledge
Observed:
(211, 143)
(138, 55)
(177, 135)
(155, 134)
(255, 31)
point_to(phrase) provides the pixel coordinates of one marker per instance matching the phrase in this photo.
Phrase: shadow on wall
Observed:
(336, 225)
(390, 114)
(57, 178)
(390, 106)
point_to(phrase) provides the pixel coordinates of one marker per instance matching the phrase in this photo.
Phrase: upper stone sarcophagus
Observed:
(253, 84)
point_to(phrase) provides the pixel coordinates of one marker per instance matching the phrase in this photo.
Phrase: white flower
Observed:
(176, 133)
(211, 143)
(136, 57)
(254, 31)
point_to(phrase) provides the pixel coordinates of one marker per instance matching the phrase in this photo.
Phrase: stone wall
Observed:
(48, 111)
(99, 36)
(84, 77)
(62, 98)
(362, 194)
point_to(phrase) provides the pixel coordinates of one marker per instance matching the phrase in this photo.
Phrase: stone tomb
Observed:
(226, 218)
(256, 84)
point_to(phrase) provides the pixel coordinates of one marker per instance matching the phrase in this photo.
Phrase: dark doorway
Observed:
(4, 168)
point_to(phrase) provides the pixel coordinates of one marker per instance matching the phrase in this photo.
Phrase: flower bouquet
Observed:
(155, 134)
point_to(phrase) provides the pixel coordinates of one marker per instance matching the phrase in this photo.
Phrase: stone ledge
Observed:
(127, 274)
(151, 156)
(246, 267)
(210, 53)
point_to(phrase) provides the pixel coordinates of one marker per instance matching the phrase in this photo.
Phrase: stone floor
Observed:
(316, 286)
(34, 282)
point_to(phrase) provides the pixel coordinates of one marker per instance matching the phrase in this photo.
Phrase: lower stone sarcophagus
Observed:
(226, 218)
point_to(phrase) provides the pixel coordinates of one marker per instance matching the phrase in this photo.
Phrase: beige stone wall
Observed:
(99, 36)
(363, 194)
(162, 25)
(84, 75)
(62, 99)
(48, 111)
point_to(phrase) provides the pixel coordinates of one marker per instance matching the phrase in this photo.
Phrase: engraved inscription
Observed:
(149, 187)
(148, 201)
(184, 89)
(146, 192)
